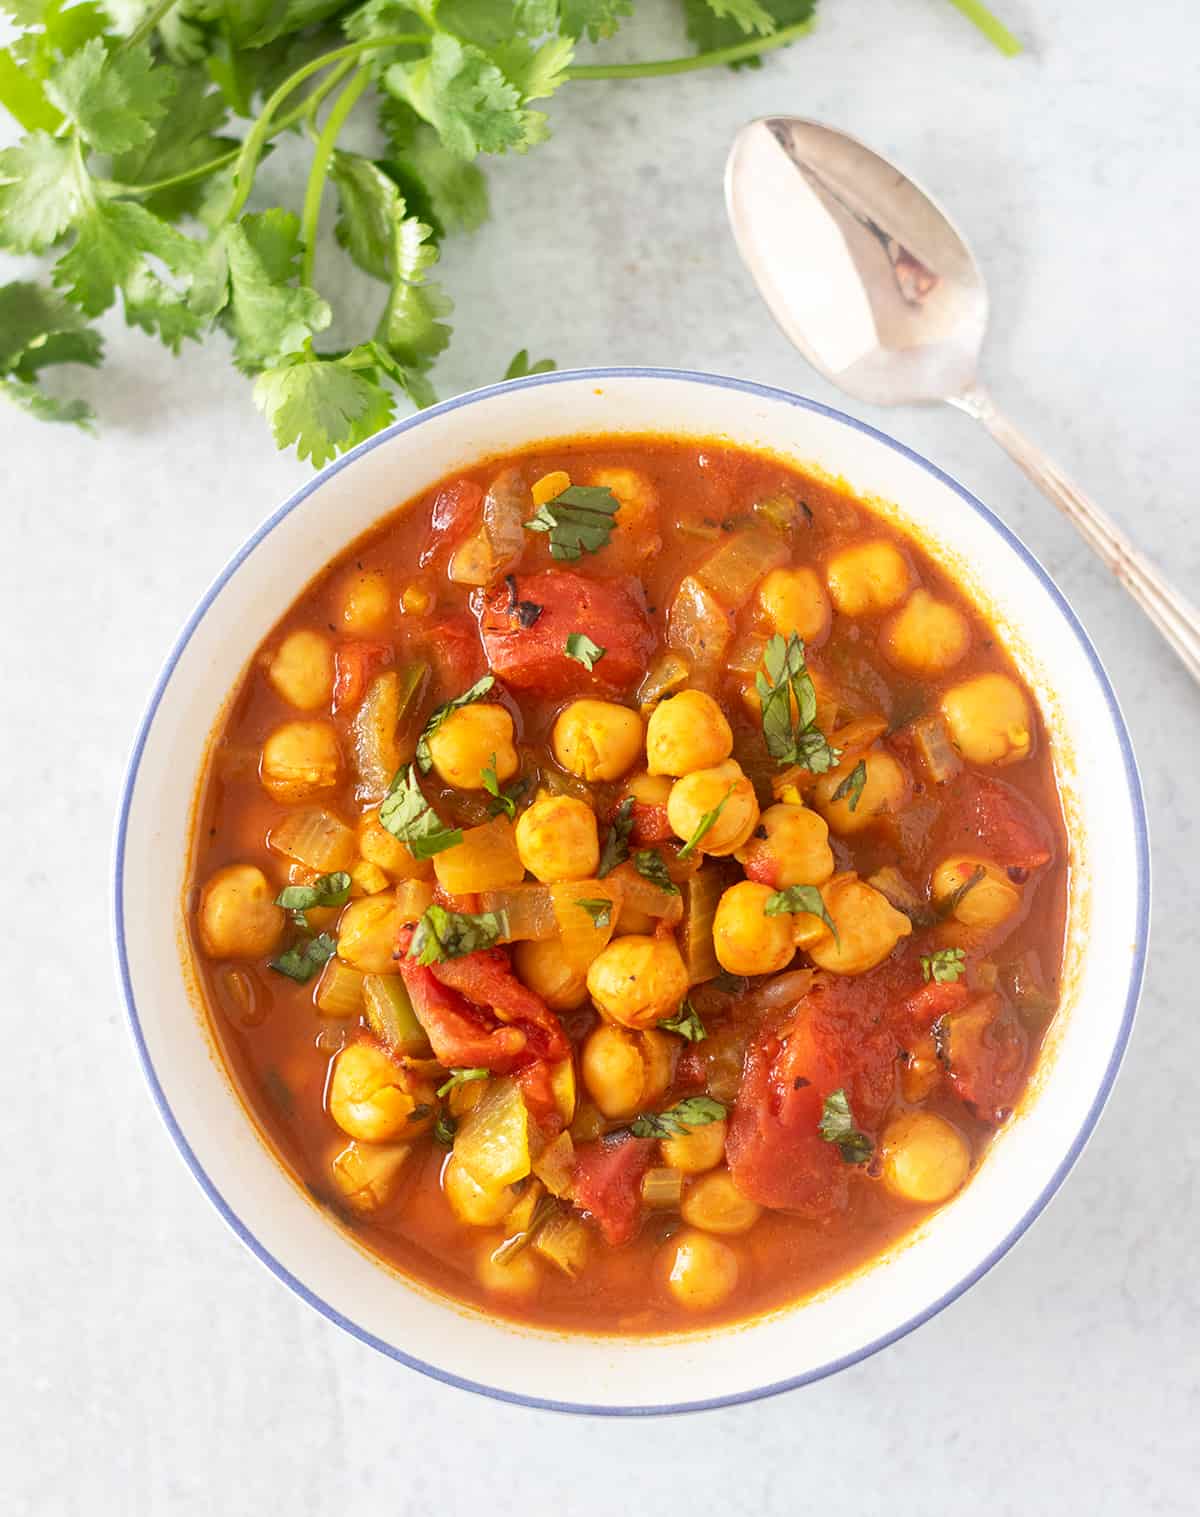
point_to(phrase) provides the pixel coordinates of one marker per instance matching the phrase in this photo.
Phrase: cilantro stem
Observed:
(310, 218)
(148, 23)
(991, 26)
(735, 54)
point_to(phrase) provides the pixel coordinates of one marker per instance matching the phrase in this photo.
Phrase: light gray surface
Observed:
(151, 1366)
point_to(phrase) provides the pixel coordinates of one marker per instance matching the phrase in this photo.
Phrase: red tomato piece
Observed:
(649, 825)
(984, 1049)
(538, 1095)
(462, 1035)
(607, 1183)
(487, 979)
(452, 647)
(923, 1008)
(1006, 826)
(457, 510)
(354, 665)
(761, 866)
(609, 611)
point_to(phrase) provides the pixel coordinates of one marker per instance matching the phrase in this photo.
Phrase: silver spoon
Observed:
(882, 295)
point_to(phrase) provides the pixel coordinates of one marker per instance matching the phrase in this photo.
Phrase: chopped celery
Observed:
(700, 896)
(391, 1017)
(493, 1138)
(662, 1188)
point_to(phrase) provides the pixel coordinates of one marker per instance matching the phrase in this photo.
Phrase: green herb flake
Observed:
(851, 788)
(837, 1126)
(800, 898)
(944, 965)
(406, 814)
(443, 934)
(476, 693)
(444, 1128)
(651, 865)
(678, 1120)
(686, 1022)
(583, 650)
(705, 824)
(328, 890)
(461, 1077)
(302, 960)
(579, 520)
(521, 367)
(616, 844)
(784, 681)
(503, 801)
(419, 1113)
(599, 909)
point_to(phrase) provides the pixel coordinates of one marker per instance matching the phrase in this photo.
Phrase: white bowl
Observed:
(1108, 925)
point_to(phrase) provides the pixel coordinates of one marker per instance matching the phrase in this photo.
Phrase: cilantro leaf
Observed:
(705, 824)
(369, 205)
(184, 140)
(949, 905)
(461, 1077)
(616, 844)
(324, 406)
(458, 90)
(409, 327)
(851, 788)
(444, 1129)
(302, 960)
(784, 682)
(583, 650)
(114, 99)
(521, 366)
(579, 520)
(536, 71)
(943, 965)
(598, 18)
(680, 1119)
(266, 316)
(650, 865)
(599, 908)
(43, 191)
(713, 26)
(438, 186)
(476, 693)
(837, 1126)
(686, 1022)
(38, 328)
(800, 898)
(406, 814)
(25, 394)
(443, 934)
(327, 890)
(505, 800)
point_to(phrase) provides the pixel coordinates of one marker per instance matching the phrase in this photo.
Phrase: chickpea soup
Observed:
(630, 884)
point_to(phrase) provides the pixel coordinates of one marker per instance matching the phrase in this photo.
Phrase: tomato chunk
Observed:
(354, 665)
(1006, 826)
(608, 1184)
(984, 1049)
(487, 979)
(452, 647)
(649, 825)
(457, 509)
(533, 656)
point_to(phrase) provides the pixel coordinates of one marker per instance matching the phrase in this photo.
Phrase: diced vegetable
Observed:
(700, 896)
(380, 744)
(931, 739)
(340, 992)
(492, 1142)
(732, 572)
(584, 933)
(495, 549)
(668, 672)
(783, 511)
(563, 1087)
(564, 1241)
(369, 878)
(366, 1174)
(486, 859)
(662, 1188)
(698, 627)
(242, 997)
(527, 909)
(556, 1165)
(314, 838)
(391, 1017)
(641, 894)
(413, 899)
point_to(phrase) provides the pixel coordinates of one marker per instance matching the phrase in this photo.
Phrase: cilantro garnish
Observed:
(503, 801)
(686, 1022)
(704, 824)
(616, 844)
(461, 1077)
(579, 520)
(782, 682)
(837, 1126)
(328, 890)
(695, 1111)
(651, 865)
(476, 693)
(598, 908)
(406, 814)
(443, 934)
(520, 366)
(851, 788)
(943, 965)
(583, 650)
(302, 960)
(800, 898)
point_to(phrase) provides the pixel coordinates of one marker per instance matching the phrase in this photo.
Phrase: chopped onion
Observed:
(486, 859)
(413, 899)
(496, 548)
(668, 672)
(316, 839)
(528, 908)
(340, 991)
(931, 737)
(379, 747)
(641, 894)
(564, 1241)
(581, 935)
(555, 1168)
(781, 992)
(698, 626)
(732, 572)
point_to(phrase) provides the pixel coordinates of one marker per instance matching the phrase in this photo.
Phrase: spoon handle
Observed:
(1171, 613)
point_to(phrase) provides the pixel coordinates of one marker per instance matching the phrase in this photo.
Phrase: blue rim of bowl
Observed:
(1133, 990)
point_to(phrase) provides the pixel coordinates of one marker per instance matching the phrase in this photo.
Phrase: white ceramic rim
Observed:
(1132, 990)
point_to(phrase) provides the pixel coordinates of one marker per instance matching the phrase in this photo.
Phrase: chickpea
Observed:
(557, 839)
(301, 669)
(367, 1173)
(468, 740)
(469, 1201)
(238, 917)
(542, 966)
(687, 732)
(366, 601)
(694, 1152)
(625, 1072)
(868, 925)
(885, 791)
(926, 636)
(383, 848)
(746, 940)
(704, 790)
(867, 578)
(990, 901)
(637, 981)
(924, 1158)
(989, 719)
(715, 1205)
(597, 740)
(637, 513)
(791, 843)
(300, 759)
(649, 789)
(703, 1271)
(367, 934)
(794, 600)
(520, 1276)
(374, 1099)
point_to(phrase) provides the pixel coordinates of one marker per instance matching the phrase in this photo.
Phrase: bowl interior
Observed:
(1107, 922)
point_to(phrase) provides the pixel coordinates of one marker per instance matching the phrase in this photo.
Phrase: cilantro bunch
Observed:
(146, 121)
